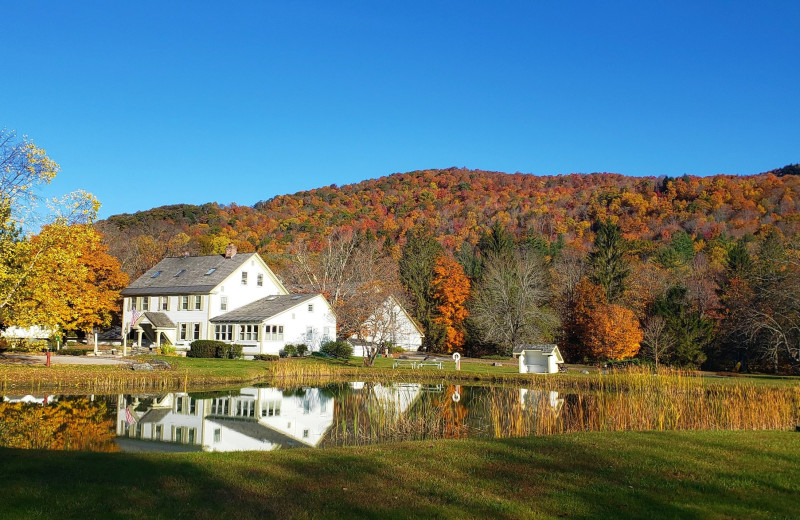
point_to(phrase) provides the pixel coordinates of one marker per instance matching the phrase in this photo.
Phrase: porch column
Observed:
(158, 338)
(139, 338)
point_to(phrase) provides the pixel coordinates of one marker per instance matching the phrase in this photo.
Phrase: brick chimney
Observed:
(230, 251)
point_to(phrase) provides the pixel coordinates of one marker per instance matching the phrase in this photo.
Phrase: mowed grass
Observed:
(711, 474)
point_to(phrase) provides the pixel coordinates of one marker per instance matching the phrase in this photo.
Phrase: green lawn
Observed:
(712, 474)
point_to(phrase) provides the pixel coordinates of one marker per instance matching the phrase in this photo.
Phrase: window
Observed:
(217, 434)
(182, 328)
(145, 304)
(223, 332)
(196, 331)
(129, 303)
(273, 333)
(178, 434)
(309, 334)
(260, 280)
(310, 307)
(184, 303)
(305, 434)
(244, 277)
(326, 333)
(163, 303)
(157, 432)
(248, 332)
(192, 435)
(223, 303)
(155, 275)
(198, 303)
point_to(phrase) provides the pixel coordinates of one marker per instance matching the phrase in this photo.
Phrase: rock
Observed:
(497, 364)
(584, 371)
(159, 364)
(141, 366)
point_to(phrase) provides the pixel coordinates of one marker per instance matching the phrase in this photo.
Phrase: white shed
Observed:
(538, 359)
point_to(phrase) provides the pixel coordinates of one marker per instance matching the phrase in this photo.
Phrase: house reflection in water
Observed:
(253, 419)
(535, 399)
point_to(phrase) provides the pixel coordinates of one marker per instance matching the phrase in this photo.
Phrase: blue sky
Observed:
(153, 103)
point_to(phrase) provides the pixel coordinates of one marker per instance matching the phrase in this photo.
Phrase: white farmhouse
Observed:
(538, 359)
(235, 298)
(390, 323)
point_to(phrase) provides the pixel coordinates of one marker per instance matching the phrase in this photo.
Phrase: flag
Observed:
(129, 416)
(134, 316)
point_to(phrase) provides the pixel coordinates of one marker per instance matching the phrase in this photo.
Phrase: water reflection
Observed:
(57, 423)
(360, 413)
(250, 419)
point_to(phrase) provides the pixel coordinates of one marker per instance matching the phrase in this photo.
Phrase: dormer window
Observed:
(155, 275)
(210, 271)
(180, 273)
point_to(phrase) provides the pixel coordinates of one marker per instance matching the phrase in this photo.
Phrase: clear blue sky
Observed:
(152, 103)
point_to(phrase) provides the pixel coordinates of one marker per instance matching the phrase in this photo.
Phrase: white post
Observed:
(95, 343)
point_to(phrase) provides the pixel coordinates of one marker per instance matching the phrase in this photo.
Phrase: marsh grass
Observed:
(636, 399)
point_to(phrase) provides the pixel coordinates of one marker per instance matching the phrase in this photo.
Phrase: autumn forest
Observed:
(690, 271)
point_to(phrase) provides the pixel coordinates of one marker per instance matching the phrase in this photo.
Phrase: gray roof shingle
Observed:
(159, 320)
(545, 348)
(264, 308)
(185, 275)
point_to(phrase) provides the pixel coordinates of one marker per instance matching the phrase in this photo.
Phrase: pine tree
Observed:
(609, 267)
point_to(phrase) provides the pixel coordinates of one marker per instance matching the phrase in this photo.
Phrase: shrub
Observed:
(394, 349)
(266, 357)
(72, 351)
(168, 350)
(337, 349)
(290, 350)
(302, 348)
(495, 356)
(209, 348)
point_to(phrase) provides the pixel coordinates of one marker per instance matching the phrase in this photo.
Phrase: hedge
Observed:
(266, 357)
(209, 348)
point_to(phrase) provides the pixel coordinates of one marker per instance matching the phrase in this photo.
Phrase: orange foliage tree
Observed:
(614, 333)
(450, 291)
(604, 330)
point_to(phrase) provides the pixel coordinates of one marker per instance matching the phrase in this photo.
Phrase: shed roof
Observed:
(264, 308)
(186, 275)
(544, 348)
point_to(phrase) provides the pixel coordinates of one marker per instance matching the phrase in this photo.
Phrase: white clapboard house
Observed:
(235, 298)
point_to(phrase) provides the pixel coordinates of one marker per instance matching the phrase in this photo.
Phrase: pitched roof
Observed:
(186, 275)
(545, 348)
(258, 431)
(264, 308)
(158, 320)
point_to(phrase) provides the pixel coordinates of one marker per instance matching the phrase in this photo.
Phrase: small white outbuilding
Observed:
(538, 359)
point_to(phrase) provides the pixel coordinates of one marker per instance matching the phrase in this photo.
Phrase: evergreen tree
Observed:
(608, 264)
(416, 273)
(689, 332)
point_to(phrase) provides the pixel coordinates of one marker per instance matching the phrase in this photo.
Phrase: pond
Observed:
(359, 413)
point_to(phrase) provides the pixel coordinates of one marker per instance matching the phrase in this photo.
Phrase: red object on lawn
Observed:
(48, 360)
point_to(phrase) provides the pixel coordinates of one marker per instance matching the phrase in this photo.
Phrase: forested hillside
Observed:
(686, 271)
(458, 205)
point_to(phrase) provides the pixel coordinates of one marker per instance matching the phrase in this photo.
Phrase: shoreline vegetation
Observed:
(189, 373)
(677, 474)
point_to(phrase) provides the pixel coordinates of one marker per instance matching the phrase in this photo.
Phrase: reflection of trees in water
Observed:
(375, 412)
(71, 423)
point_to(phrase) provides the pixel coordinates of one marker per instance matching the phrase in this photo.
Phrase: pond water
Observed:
(358, 413)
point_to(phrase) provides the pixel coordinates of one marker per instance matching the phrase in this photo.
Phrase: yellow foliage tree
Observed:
(71, 283)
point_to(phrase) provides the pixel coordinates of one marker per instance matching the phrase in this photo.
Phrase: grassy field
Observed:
(207, 373)
(716, 474)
